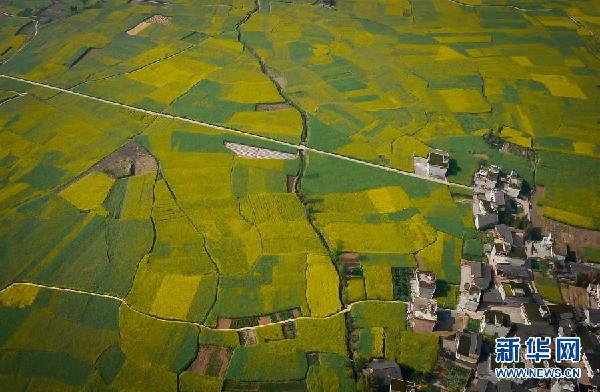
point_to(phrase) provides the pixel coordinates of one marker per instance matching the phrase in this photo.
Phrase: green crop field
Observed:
(209, 195)
(547, 284)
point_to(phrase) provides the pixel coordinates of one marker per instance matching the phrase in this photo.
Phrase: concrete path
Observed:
(346, 309)
(236, 131)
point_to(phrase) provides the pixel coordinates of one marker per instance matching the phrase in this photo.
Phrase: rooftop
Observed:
(492, 297)
(543, 330)
(486, 207)
(424, 308)
(562, 312)
(535, 313)
(384, 372)
(497, 317)
(510, 271)
(589, 343)
(516, 289)
(593, 316)
(594, 360)
(469, 344)
(513, 180)
(509, 235)
(438, 158)
(482, 274)
(349, 257)
(426, 279)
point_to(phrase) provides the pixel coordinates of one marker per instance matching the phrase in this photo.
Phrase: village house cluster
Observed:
(422, 309)
(503, 294)
(499, 294)
(495, 193)
(501, 291)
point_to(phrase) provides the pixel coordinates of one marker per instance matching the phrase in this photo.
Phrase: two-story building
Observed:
(424, 284)
(438, 162)
(486, 178)
(504, 253)
(513, 184)
(468, 347)
(485, 213)
(481, 275)
(422, 314)
(510, 235)
(435, 165)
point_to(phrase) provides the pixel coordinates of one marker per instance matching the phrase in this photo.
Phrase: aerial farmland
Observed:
(295, 195)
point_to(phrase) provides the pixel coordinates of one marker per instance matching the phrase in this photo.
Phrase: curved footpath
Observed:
(346, 309)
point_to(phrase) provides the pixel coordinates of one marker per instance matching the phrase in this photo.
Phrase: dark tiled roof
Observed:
(509, 235)
(509, 386)
(385, 371)
(469, 344)
(499, 197)
(594, 360)
(513, 271)
(497, 317)
(476, 268)
(483, 368)
(533, 313)
(562, 312)
(543, 330)
(567, 326)
(464, 345)
(485, 278)
(584, 268)
(476, 341)
(492, 297)
(437, 158)
(594, 316)
(504, 233)
(588, 341)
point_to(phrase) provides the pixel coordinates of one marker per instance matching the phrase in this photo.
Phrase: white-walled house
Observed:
(486, 214)
(438, 162)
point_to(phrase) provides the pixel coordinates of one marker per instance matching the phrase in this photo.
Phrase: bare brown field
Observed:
(223, 323)
(211, 361)
(575, 296)
(564, 235)
(156, 19)
(266, 107)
